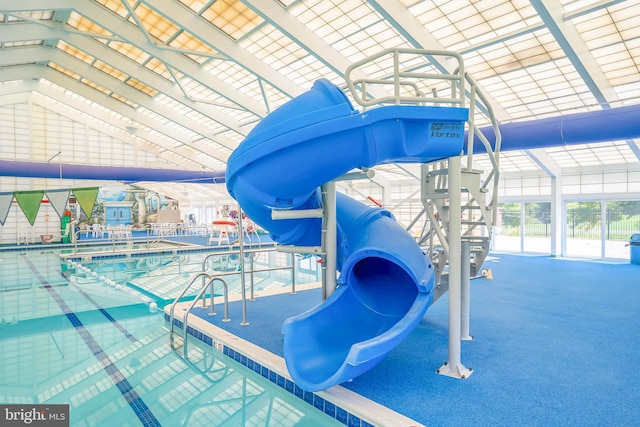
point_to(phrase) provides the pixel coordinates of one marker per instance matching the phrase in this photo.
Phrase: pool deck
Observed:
(550, 338)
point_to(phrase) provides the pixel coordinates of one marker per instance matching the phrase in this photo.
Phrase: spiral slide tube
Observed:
(386, 282)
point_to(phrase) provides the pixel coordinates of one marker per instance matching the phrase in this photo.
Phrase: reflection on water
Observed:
(68, 338)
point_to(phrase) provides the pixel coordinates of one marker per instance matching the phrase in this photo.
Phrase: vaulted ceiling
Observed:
(186, 80)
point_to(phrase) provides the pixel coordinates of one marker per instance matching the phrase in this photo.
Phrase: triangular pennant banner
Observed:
(29, 202)
(87, 198)
(58, 200)
(5, 205)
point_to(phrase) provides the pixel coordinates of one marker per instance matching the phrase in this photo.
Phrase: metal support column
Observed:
(465, 295)
(329, 239)
(453, 367)
(242, 278)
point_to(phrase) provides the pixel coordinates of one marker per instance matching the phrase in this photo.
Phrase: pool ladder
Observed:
(207, 283)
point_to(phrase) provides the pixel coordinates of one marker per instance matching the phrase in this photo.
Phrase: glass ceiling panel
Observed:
(198, 91)
(159, 68)
(458, 26)
(81, 23)
(23, 43)
(600, 154)
(95, 86)
(124, 100)
(186, 41)
(233, 136)
(64, 70)
(232, 17)
(106, 68)
(154, 24)
(525, 95)
(351, 27)
(130, 51)
(235, 76)
(75, 52)
(148, 90)
(611, 34)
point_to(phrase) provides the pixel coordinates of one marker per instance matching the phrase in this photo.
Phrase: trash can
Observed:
(634, 248)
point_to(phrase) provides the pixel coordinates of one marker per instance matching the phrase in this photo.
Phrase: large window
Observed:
(623, 220)
(508, 228)
(584, 229)
(537, 227)
(523, 227)
(601, 229)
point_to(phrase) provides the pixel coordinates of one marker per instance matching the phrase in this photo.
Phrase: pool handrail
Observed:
(173, 306)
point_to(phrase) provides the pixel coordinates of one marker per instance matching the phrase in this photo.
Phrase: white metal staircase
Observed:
(417, 76)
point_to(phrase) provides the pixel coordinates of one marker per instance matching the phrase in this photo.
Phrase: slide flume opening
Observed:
(378, 282)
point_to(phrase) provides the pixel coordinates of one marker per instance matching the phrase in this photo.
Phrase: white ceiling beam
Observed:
(133, 35)
(131, 68)
(99, 116)
(571, 42)
(541, 158)
(16, 74)
(13, 6)
(14, 98)
(221, 42)
(83, 69)
(276, 15)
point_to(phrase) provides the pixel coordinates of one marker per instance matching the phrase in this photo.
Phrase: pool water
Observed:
(72, 339)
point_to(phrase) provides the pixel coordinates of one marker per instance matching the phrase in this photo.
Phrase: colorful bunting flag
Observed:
(58, 200)
(5, 205)
(29, 202)
(86, 197)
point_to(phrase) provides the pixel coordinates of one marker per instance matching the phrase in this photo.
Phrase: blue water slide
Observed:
(386, 282)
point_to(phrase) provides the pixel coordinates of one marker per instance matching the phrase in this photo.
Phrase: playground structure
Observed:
(387, 280)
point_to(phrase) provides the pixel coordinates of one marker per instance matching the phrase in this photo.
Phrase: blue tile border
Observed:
(323, 405)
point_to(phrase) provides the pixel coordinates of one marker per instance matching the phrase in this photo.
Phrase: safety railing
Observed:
(199, 295)
(406, 82)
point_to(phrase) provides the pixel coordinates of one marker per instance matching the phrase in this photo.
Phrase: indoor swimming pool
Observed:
(68, 337)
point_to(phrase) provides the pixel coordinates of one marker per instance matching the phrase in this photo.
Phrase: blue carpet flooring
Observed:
(556, 344)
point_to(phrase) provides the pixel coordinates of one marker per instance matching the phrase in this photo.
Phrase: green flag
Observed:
(29, 202)
(87, 198)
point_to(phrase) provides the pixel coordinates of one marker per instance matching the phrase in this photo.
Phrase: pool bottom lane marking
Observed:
(104, 313)
(134, 400)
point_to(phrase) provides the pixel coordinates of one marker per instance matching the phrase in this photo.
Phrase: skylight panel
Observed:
(192, 46)
(233, 136)
(83, 24)
(115, 6)
(124, 100)
(95, 86)
(64, 70)
(628, 91)
(136, 84)
(108, 69)
(40, 15)
(74, 51)
(159, 68)
(130, 51)
(230, 72)
(619, 64)
(156, 25)
(23, 43)
(232, 17)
